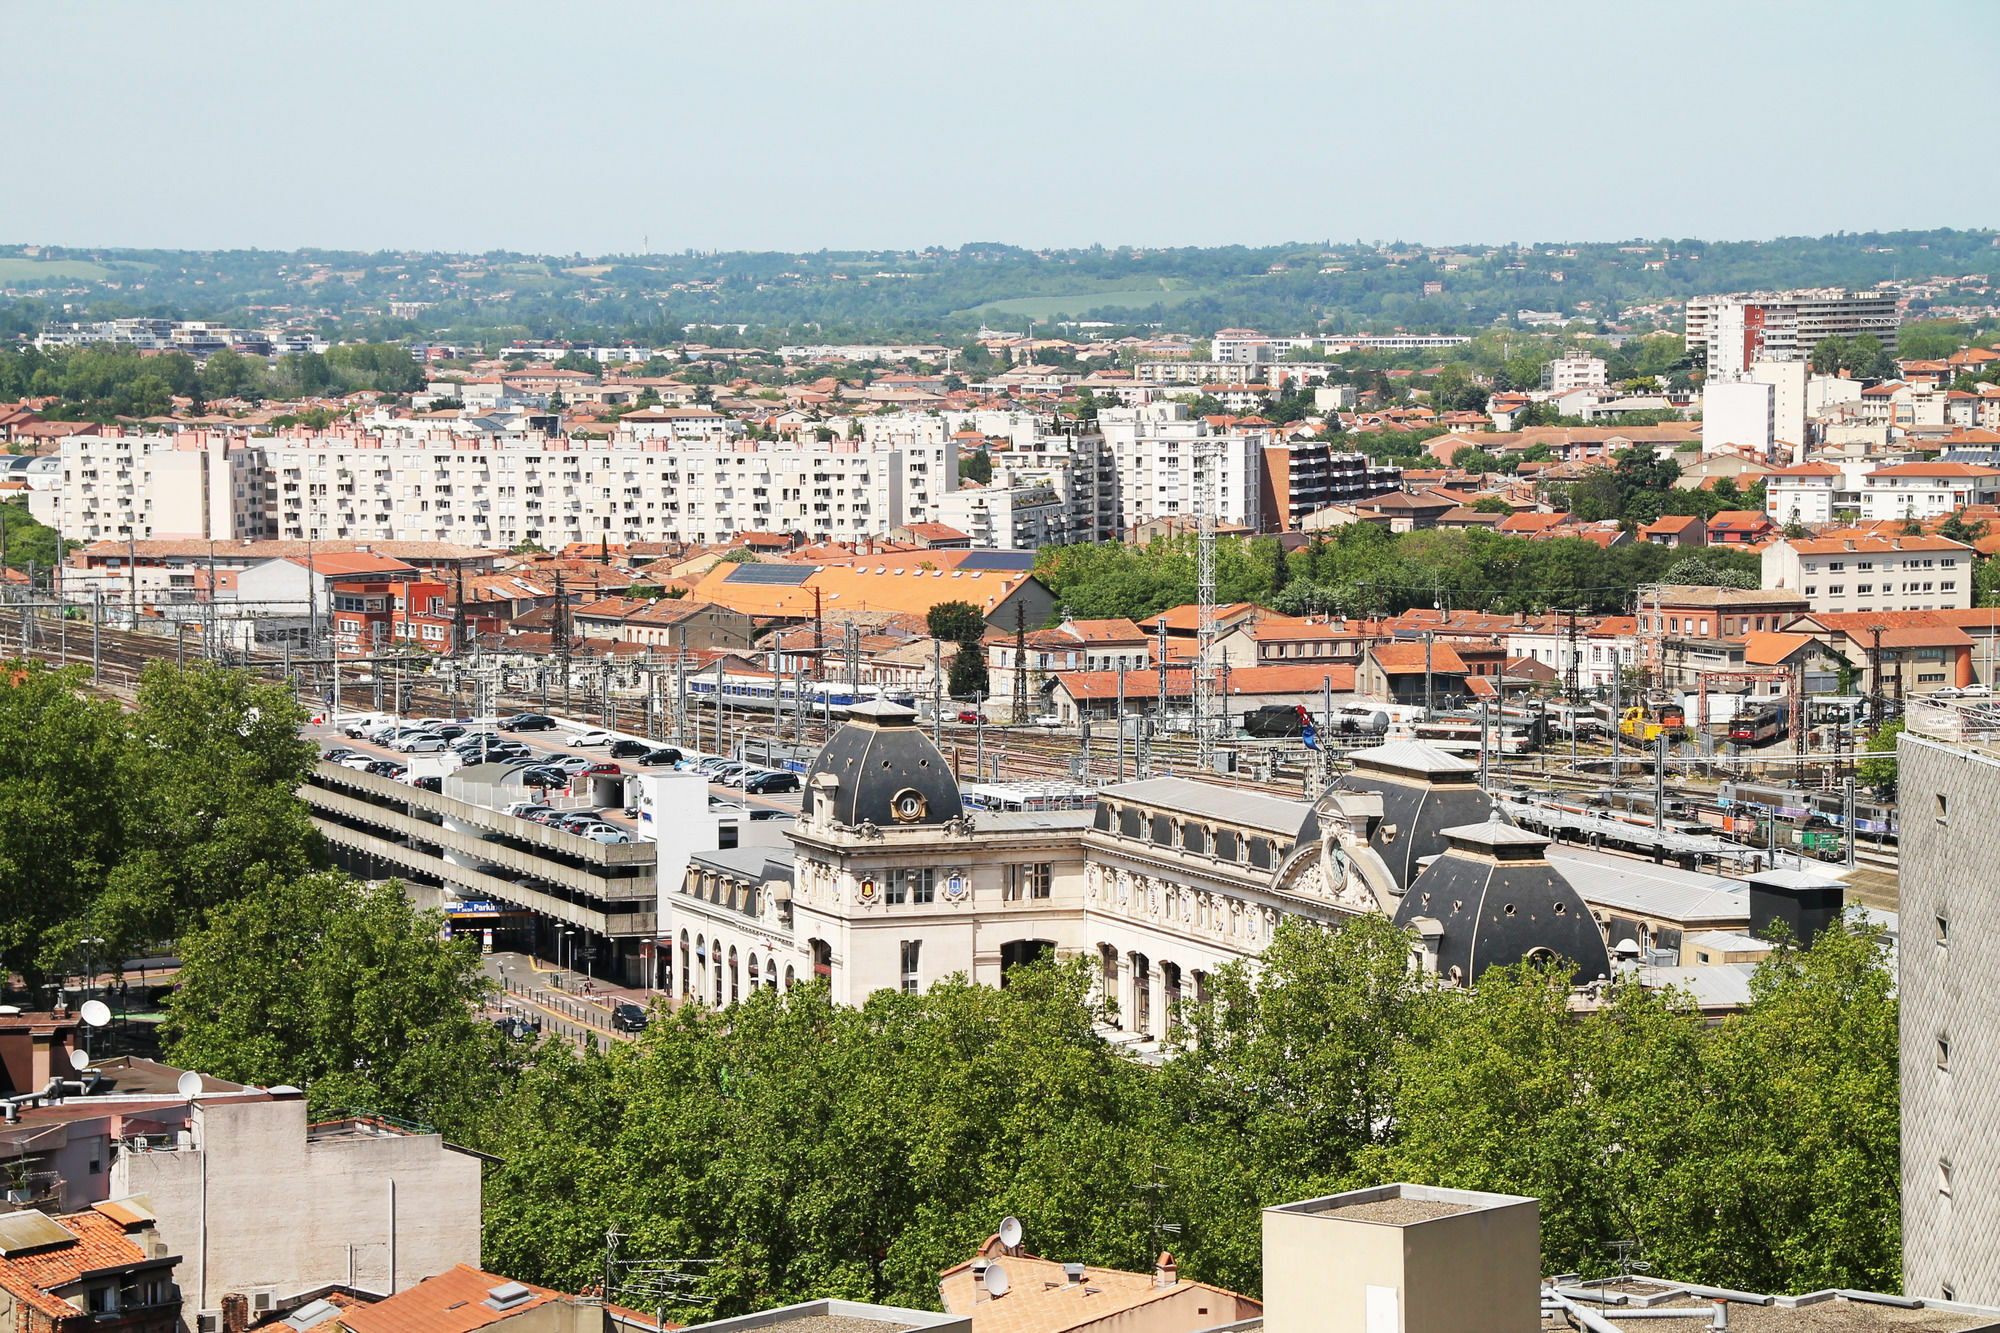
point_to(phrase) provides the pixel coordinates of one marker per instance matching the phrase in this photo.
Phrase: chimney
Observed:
(1165, 1274)
(235, 1313)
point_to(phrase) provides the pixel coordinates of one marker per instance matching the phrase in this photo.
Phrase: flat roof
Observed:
(1226, 803)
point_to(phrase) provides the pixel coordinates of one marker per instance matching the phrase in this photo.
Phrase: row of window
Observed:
(1864, 589)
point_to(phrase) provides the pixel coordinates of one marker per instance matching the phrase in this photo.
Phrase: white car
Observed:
(357, 761)
(419, 744)
(589, 736)
(569, 764)
(608, 835)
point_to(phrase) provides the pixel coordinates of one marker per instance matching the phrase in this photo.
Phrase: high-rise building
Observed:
(1729, 333)
(1948, 955)
(1154, 448)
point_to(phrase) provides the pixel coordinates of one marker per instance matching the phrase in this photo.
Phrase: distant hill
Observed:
(951, 293)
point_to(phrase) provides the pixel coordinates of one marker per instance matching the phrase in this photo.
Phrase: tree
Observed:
(345, 990)
(229, 374)
(1880, 773)
(1703, 572)
(1955, 528)
(1492, 504)
(579, 361)
(1829, 354)
(1472, 458)
(62, 827)
(962, 623)
(976, 466)
(210, 807)
(741, 555)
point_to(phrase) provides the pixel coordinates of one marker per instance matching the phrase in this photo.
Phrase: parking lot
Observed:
(578, 747)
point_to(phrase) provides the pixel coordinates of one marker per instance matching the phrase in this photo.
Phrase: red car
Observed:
(600, 770)
(969, 716)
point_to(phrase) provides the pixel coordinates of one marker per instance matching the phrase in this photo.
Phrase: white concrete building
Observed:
(1788, 398)
(1153, 448)
(1737, 412)
(1734, 332)
(1842, 574)
(194, 484)
(1926, 490)
(1008, 518)
(1574, 372)
(1804, 493)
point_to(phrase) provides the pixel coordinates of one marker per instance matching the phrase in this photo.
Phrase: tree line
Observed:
(102, 383)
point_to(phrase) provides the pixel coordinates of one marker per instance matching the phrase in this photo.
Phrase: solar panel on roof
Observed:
(1011, 561)
(772, 576)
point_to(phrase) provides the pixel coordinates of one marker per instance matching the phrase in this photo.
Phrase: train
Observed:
(1282, 722)
(764, 694)
(1460, 737)
(1759, 727)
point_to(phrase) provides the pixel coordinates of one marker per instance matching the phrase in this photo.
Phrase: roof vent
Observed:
(507, 1295)
(1074, 1272)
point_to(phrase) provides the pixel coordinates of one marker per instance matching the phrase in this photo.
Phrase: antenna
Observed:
(996, 1280)
(78, 1059)
(189, 1084)
(1010, 1231)
(95, 1012)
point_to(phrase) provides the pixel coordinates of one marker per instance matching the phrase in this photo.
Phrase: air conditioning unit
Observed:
(260, 1301)
(208, 1323)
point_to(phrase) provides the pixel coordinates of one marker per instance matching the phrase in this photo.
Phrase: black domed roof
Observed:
(884, 771)
(1497, 900)
(1424, 791)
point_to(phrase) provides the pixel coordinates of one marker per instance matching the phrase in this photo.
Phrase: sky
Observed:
(623, 128)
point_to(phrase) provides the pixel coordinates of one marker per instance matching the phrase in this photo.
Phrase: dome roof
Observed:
(880, 768)
(1493, 899)
(1424, 791)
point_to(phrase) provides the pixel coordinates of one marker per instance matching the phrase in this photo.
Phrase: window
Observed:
(1943, 931)
(1944, 1053)
(1865, 589)
(913, 885)
(1837, 590)
(1944, 1177)
(1029, 881)
(910, 952)
(1943, 812)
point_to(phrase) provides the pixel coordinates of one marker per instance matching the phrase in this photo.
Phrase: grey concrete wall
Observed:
(1948, 993)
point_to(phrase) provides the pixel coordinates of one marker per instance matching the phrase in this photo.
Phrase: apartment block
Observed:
(1154, 448)
(1926, 490)
(1574, 372)
(1302, 477)
(1865, 573)
(1008, 518)
(1733, 332)
(205, 485)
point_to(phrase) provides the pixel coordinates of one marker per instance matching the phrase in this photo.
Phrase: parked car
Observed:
(338, 753)
(627, 1017)
(708, 766)
(606, 834)
(382, 733)
(528, 722)
(600, 769)
(971, 715)
(419, 744)
(724, 772)
(773, 781)
(386, 768)
(428, 782)
(450, 731)
(567, 763)
(356, 728)
(630, 749)
(524, 809)
(771, 814)
(666, 754)
(588, 736)
(578, 822)
(359, 762)
(543, 777)
(546, 816)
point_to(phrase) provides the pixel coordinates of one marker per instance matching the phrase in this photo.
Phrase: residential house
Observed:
(1413, 673)
(1740, 527)
(1926, 490)
(1896, 654)
(1675, 530)
(1805, 493)
(104, 1270)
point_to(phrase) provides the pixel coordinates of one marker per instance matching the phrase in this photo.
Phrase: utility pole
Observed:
(1482, 742)
(1875, 676)
(1161, 716)
(1660, 782)
(1202, 701)
(721, 709)
(96, 619)
(819, 640)
(937, 691)
(1021, 660)
(1121, 718)
(1429, 637)
(1326, 731)
(1617, 712)
(132, 572)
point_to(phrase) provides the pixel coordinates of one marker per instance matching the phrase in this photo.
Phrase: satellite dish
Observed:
(1010, 1231)
(189, 1084)
(78, 1059)
(996, 1281)
(95, 1012)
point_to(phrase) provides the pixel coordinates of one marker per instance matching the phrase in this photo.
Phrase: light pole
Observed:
(564, 951)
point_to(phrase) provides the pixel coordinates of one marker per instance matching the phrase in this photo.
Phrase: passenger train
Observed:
(823, 698)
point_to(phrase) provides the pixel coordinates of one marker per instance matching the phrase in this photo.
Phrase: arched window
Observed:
(718, 977)
(684, 964)
(753, 972)
(788, 976)
(735, 981)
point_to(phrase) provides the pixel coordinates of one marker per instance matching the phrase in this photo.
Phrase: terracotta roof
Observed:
(1935, 470)
(350, 562)
(1093, 685)
(1674, 523)
(1805, 470)
(1041, 1299)
(1400, 659)
(454, 1301)
(99, 1242)
(1766, 648)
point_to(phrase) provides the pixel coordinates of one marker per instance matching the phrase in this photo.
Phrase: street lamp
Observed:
(564, 949)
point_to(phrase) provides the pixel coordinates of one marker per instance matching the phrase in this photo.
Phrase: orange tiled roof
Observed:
(101, 1242)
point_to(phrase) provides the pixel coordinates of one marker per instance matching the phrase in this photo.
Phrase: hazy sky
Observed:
(602, 128)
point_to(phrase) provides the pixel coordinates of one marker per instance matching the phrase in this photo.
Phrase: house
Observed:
(1896, 654)
(1813, 663)
(462, 1299)
(1407, 512)
(103, 1270)
(1740, 527)
(1412, 673)
(1292, 640)
(1684, 629)
(682, 624)
(1927, 490)
(931, 537)
(1675, 530)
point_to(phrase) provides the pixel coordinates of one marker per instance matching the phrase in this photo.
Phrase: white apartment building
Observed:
(1008, 518)
(1788, 398)
(1737, 412)
(1081, 471)
(425, 483)
(1153, 448)
(194, 484)
(1807, 493)
(1926, 490)
(1574, 372)
(1843, 574)
(1733, 332)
